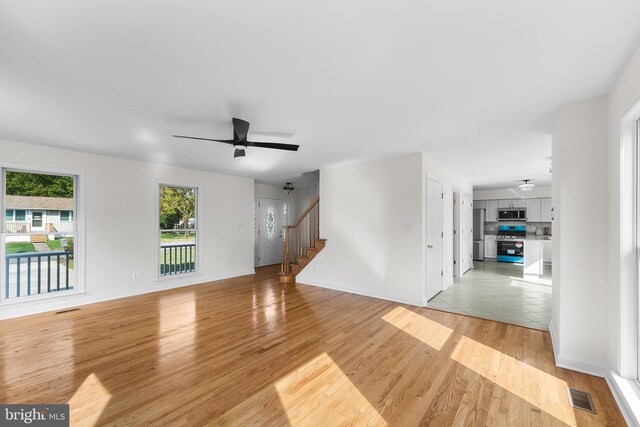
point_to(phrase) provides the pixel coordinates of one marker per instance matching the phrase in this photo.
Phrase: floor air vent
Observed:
(68, 310)
(581, 400)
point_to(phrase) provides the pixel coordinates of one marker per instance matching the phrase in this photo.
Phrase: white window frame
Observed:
(198, 230)
(79, 233)
(65, 220)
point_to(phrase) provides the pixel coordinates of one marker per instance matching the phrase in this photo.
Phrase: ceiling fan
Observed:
(239, 141)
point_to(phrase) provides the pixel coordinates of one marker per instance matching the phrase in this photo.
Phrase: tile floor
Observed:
(497, 291)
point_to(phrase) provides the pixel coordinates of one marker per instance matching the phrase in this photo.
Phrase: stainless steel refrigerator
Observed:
(478, 234)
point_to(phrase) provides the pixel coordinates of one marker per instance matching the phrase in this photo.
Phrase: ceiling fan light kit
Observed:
(240, 142)
(526, 185)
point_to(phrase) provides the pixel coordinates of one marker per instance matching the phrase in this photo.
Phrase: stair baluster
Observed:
(301, 242)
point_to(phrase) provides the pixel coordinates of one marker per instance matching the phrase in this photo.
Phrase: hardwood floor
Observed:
(250, 351)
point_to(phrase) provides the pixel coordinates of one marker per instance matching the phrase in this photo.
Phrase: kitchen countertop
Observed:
(528, 237)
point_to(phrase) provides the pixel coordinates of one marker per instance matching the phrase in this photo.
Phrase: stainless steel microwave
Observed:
(512, 214)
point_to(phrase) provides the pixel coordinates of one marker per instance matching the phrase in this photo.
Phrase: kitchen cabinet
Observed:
(491, 211)
(490, 247)
(547, 254)
(479, 204)
(511, 203)
(533, 210)
(546, 215)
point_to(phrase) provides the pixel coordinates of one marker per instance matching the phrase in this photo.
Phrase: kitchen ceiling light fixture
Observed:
(288, 187)
(526, 185)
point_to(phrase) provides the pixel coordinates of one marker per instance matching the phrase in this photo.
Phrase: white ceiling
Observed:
(474, 83)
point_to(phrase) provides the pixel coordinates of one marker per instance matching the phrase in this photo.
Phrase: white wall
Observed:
(119, 211)
(375, 234)
(449, 181)
(265, 190)
(301, 200)
(365, 212)
(512, 193)
(580, 253)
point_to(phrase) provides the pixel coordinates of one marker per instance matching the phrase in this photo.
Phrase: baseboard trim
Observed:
(554, 341)
(626, 394)
(28, 308)
(584, 366)
(363, 292)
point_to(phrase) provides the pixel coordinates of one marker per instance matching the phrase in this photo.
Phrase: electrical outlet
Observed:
(134, 275)
(221, 263)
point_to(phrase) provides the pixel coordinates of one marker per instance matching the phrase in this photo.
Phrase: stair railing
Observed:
(300, 235)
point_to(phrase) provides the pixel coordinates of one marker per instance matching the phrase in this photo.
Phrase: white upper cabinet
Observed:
(545, 210)
(491, 210)
(511, 203)
(533, 210)
(479, 204)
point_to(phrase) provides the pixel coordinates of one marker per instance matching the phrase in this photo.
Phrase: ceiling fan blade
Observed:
(274, 145)
(240, 129)
(238, 153)
(226, 141)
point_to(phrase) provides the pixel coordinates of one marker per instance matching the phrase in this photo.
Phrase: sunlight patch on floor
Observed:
(542, 390)
(426, 330)
(318, 393)
(532, 283)
(88, 402)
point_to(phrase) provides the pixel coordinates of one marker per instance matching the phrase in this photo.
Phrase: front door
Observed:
(37, 222)
(434, 239)
(270, 219)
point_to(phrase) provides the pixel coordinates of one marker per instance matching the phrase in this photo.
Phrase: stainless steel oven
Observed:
(510, 251)
(511, 243)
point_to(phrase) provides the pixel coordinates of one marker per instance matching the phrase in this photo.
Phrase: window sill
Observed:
(627, 394)
(33, 299)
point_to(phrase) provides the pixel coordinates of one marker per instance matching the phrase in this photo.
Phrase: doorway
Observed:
(271, 216)
(433, 273)
(466, 233)
(456, 233)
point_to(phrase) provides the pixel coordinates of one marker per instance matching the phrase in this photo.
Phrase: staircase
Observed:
(301, 243)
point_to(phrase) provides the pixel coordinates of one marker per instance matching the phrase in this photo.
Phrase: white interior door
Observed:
(270, 220)
(434, 239)
(456, 234)
(466, 234)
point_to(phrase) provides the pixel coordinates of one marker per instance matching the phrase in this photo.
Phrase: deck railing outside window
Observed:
(34, 273)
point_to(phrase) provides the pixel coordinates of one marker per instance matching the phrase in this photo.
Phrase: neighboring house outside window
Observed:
(39, 235)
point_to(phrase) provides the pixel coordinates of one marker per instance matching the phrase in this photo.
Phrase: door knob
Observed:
(429, 247)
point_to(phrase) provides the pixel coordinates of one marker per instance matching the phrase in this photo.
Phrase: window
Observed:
(270, 222)
(178, 230)
(66, 216)
(39, 256)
